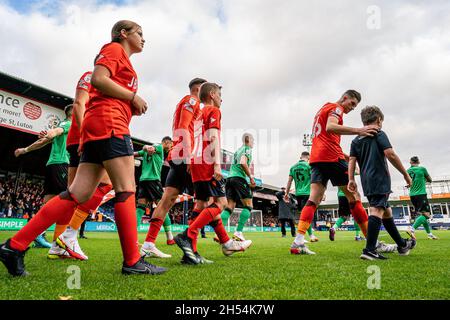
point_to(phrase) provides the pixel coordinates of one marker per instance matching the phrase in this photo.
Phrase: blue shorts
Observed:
(336, 172)
(98, 151)
(206, 189)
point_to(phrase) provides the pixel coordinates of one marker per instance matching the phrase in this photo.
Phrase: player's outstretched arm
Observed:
(333, 126)
(38, 144)
(397, 163)
(51, 134)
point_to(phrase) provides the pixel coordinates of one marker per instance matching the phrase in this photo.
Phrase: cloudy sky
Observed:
(278, 63)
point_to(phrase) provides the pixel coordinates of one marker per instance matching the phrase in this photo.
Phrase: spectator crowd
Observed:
(20, 199)
(270, 221)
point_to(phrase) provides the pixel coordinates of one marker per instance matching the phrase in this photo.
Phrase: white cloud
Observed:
(278, 62)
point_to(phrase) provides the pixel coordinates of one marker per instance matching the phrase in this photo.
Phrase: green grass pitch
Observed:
(265, 271)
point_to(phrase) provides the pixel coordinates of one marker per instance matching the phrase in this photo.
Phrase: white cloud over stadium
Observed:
(278, 62)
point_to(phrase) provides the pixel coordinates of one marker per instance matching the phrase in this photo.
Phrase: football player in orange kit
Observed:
(328, 162)
(106, 147)
(65, 237)
(208, 180)
(187, 113)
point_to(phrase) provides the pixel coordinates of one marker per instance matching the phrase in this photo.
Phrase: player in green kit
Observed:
(344, 214)
(151, 190)
(237, 188)
(300, 173)
(418, 195)
(56, 168)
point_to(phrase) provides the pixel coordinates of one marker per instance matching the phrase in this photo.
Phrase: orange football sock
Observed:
(303, 226)
(59, 230)
(364, 227)
(84, 209)
(78, 218)
(306, 217)
(360, 215)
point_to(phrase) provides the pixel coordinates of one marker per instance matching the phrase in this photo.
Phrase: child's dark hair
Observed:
(371, 114)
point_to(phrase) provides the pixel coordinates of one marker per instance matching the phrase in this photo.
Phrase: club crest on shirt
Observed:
(87, 78)
(338, 111)
(317, 130)
(52, 121)
(83, 84)
(192, 101)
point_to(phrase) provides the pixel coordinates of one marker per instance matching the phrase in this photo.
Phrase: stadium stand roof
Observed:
(20, 86)
(33, 163)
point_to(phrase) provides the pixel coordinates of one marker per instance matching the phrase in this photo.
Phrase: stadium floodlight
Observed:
(307, 140)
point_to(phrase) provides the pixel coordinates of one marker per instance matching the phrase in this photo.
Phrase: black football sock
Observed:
(372, 233)
(391, 228)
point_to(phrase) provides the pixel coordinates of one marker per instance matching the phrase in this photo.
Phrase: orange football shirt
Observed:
(106, 116)
(326, 145)
(202, 167)
(186, 114)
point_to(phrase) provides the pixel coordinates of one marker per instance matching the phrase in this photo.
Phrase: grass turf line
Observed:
(265, 271)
